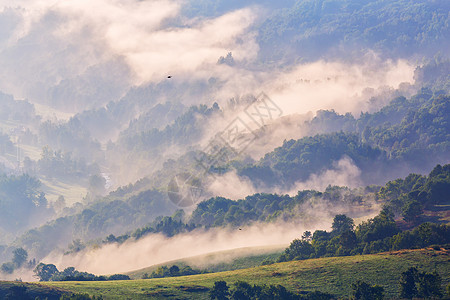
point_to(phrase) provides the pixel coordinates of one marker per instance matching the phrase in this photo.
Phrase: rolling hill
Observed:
(332, 275)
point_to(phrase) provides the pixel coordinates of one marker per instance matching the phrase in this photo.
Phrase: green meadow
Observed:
(332, 275)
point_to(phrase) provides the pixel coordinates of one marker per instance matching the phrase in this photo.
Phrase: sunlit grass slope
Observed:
(333, 275)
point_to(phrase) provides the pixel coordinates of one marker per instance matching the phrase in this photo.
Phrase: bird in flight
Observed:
(170, 76)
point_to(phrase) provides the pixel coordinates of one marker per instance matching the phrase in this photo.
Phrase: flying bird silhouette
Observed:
(170, 76)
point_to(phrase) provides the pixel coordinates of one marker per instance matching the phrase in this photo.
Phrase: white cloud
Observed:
(61, 39)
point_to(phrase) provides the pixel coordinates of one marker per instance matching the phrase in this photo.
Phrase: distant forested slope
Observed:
(22, 203)
(97, 219)
(401, 28)
(412, 134)
(412, 200)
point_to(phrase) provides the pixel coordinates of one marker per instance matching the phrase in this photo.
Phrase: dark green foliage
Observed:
(412, 210)
(375, 235)
(422, 132)
(17, 292)
(411, 195)
(45, 271)
(422, 236)
(342, 223)
(299, 249)
(219, 291)
(173, 271)
(49, 272)
(267, 261)
(277, 292)
(80, 297)
(364, 291)
(219, 211)
(316, 295)
(118, 277)
(242, 290)
(33, 291)
(297, 160)
(168, 226)
(381, 227)
(415, 284)
(408, 287)
(371, 236)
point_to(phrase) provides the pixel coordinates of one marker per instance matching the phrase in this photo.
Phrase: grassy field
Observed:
(333, 275)
(72, 192)
(50, 113)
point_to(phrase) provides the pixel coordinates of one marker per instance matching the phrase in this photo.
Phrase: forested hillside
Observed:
(413, 133)
(394, 28)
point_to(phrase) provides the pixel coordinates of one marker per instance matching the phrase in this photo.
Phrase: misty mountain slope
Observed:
(425, 129)
(418, 142)
(307, 206)
(298, 160)
(97, 220)
(208, 8)
(316, 29)
(260, 219)
(157, 117)
(91, 89)
(154, 105)
(435, 74)
(22, 204)
(19, 111)
(371, 154)
(219, 211)
(186, 130)
(189, 129)
(327, 121)
(71, 136)
(18, 119)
